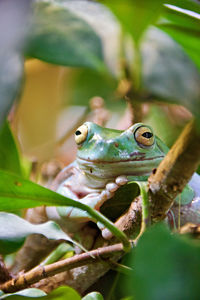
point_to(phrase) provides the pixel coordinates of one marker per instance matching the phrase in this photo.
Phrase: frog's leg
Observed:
(95, 200)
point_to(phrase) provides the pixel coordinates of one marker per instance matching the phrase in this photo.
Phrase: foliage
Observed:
(9, 156)
(166, 271)
(151, 47)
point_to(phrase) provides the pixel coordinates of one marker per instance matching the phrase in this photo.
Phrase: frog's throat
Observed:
(108, 169)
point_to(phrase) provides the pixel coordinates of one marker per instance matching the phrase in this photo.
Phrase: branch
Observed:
(40, 272)
(4, 273)
(174, 171)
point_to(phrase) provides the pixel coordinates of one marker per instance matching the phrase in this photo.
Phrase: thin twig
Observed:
(25, 280)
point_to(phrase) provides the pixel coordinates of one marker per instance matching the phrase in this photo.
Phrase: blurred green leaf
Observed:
(93, 296)
(61, 293)
(191, 5)
(185, 29)
(9, 156)
(31, 293)
(136, 16)
(19, 193)
(168, 73)
(61, 37)
(58, 253)
(165, 266)
(84, 84)
(104, 23)
(14, 15)
(14, 230)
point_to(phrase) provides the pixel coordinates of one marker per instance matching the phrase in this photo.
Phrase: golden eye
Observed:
(81, 134)
(144, 136)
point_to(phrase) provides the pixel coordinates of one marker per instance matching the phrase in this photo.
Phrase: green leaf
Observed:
(93, 296)
(14, 230)
(56, 254)
(190, 5)
(31, 293)
(61, 37)
(61, 293)
(13, 25)
(18, 193)
(183, 28)
(136, 16)
(166, 69)
(104, 24)
(83, 84)
(9, 156)
(165, 266)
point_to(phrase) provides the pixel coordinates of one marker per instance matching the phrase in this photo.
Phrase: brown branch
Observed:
(174, 171)
(4, 273)
(25, 280)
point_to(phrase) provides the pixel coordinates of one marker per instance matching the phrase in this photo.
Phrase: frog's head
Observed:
(107, 153)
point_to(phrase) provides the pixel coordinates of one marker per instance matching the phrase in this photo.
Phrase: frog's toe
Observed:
(112, 187)
(106, 234)
(106, 194)
(121, 180)
(100, 226)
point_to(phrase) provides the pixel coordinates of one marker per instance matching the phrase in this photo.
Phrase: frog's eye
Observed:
(81, 134)
(144, 136)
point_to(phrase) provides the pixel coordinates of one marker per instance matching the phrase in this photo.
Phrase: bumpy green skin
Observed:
(104, 155)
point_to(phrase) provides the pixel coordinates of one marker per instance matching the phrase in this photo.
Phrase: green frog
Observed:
(106, 160)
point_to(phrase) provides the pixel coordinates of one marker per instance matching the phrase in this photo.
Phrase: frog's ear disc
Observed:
(81, 134)
(144, 136)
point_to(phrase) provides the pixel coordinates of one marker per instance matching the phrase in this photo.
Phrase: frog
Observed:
(106, 160)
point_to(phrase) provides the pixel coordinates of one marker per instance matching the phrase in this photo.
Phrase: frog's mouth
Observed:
(98, 161)
(136, 166)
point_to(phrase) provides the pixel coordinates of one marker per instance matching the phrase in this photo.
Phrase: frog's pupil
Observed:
(147, 135)
(77, 132)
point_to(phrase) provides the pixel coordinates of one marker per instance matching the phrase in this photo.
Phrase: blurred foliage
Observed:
(29, 293)
(184, 28)
(165, 266)
(84, 84)
(143, 52)
(60, 37)
(136, 16)
(61, 293)
(14, 230)
(9, 156)
(41, 97)
(14, 16)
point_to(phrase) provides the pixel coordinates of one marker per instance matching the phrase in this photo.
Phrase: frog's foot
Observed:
(110, 189)
(94, 200)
